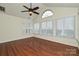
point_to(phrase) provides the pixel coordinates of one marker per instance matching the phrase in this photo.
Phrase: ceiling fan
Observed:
(31, 10)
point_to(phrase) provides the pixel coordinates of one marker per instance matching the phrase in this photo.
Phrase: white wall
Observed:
(11, 27)
(60, 12)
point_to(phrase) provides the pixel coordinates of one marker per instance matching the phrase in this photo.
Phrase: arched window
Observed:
(47, 13)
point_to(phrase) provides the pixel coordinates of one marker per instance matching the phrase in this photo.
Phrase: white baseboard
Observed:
(67, 41)
(71, 42)
(17, 38)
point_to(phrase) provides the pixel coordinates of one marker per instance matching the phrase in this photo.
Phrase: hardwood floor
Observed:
(36, 47)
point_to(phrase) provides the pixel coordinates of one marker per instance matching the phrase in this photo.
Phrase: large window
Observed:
(49, 27)
(36, 27)
(47, 13)
(29, 28)
(65, 27)
(59, 27)
(43, 28)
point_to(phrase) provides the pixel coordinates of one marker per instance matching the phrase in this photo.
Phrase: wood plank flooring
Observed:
(36, 47)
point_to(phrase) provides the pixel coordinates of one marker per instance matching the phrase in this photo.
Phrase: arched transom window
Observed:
(47, 14)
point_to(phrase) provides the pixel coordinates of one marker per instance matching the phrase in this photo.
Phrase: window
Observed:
(47, 13)
(43, 28)
(49, 27)
(29, 28)
(65, 27)
(69, 30)
(60, 27)
(36, 27)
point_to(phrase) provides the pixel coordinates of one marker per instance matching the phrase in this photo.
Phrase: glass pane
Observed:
(47, 13)
(43, 28)
(69, 27)
(49, 28)
(43, 25)
(65, 27)
(60, 27)
(36, 27)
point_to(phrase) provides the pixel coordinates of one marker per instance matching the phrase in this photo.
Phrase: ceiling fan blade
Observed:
(35, 12)
(35, 8)
(25, 11)
(25, 7)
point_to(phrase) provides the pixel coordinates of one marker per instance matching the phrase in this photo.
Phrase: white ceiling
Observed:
(62, 4)
(16, 8)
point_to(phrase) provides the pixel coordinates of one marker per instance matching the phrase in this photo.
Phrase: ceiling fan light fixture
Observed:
(30, 13)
